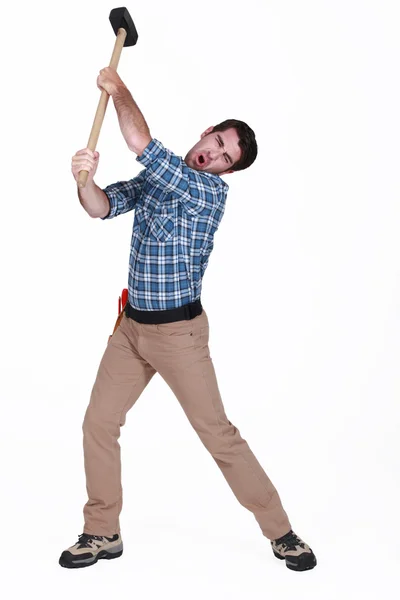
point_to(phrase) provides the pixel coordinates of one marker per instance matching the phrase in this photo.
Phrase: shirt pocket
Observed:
(162, 226)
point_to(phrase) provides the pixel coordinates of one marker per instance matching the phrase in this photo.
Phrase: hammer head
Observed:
(120, 18)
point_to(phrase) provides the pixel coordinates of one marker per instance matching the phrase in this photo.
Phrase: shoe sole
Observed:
(102, 554)
(292, 567)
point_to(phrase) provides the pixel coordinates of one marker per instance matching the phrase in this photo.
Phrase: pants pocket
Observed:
(176, 328)
(200, 338)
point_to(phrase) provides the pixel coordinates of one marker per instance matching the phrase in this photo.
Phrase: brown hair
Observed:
(247, 142)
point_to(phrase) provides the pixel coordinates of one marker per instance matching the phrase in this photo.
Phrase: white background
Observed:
(302, 294)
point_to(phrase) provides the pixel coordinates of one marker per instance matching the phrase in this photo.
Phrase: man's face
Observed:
(215, 152)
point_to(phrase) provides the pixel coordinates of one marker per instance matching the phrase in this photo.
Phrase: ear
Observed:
(207, 131)
(226, 172)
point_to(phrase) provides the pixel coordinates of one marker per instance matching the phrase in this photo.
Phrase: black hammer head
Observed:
(120, 17)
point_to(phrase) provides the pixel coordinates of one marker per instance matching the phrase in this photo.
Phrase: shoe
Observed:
(298, 555)
(89, 548)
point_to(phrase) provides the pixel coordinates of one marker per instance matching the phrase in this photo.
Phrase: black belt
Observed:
(187, 311)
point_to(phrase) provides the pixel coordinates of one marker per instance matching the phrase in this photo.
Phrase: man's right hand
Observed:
(85, 160)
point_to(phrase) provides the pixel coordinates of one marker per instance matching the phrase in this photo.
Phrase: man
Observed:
(178, 207)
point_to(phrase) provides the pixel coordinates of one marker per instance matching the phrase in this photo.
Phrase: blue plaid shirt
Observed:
(177, 212)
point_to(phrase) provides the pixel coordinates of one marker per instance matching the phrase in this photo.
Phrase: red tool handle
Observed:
(124, 297)
(122, 300)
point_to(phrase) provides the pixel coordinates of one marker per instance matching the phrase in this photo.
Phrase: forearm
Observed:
(94, 200)
(131, 121)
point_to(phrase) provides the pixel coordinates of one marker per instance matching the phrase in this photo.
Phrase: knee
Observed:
(223, 441)
(95, 421)
(89, 421)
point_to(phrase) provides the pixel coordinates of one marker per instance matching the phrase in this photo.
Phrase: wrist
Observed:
(119, 89)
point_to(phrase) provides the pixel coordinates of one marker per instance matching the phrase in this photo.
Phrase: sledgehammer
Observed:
(125, 30)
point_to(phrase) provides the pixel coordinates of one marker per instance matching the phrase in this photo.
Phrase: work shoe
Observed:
(298, 555)
(89, 548)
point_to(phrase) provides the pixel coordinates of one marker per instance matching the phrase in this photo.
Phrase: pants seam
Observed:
(119, 505)
(215, 409)
(230, 443)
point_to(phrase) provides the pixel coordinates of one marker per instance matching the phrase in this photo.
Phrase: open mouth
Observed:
(201, 160)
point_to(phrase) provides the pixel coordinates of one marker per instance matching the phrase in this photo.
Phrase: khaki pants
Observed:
(179, 352)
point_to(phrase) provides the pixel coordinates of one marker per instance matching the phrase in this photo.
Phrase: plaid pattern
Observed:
(177, 212)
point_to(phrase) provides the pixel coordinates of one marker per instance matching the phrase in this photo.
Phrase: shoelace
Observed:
(85, 540)
(290, 541)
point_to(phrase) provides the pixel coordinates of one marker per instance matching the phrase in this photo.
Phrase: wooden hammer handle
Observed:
(101, 108)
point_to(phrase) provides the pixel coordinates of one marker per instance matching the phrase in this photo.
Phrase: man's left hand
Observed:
(109, 80)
